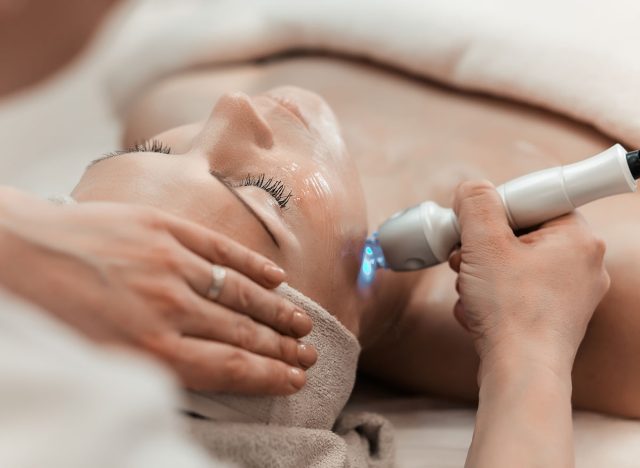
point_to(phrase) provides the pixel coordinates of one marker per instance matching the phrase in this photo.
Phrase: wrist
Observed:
(523, 362)
(524, 414)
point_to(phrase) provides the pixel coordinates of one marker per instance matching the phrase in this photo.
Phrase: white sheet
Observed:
(574, 56)
(68, 404)
(432, 433)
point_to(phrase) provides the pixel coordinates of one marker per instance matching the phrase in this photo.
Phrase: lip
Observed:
(290, 106)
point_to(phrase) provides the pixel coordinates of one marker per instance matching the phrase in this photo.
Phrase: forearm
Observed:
(523, 419)
(20, 253)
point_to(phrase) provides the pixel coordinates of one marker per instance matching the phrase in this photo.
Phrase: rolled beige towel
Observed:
(306, 429)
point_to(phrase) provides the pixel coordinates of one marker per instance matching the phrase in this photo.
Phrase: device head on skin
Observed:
(372, 259)
(424, 235)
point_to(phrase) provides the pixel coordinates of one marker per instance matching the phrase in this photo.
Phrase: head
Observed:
(270, 171)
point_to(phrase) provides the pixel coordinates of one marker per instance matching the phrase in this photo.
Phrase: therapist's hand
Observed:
(528, 297)
(135, 275)
(527, 302)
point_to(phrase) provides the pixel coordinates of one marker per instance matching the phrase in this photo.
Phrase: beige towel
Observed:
(296, 431)
(359, 440)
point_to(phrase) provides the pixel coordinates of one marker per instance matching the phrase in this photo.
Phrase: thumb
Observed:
(481, 214)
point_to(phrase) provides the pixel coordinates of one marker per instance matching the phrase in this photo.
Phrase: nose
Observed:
(234, 125)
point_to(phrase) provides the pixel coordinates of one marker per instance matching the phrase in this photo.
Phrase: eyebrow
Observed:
(220, 178)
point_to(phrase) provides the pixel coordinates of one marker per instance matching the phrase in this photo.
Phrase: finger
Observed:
(458, 313)
(241, 294)
(213, 322)
(454, 260)
(571, 222)
(481, 214)
(219, 249)
(458, 285)
(574, 218)
(220, 367)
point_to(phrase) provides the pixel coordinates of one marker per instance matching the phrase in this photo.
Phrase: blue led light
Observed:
(372, 259)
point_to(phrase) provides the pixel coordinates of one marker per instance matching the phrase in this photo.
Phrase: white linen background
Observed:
(584, 67)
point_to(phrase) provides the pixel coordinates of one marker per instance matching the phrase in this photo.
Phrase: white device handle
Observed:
(535, 198)
(424, 235)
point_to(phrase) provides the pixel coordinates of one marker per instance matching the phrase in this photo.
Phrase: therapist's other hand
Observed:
(530, 296)
(135, 275)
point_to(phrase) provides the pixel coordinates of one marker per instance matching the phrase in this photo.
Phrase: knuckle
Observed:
(278, 377)
(235, 368)
(160, 344)
(221, 250)
(245, 332)
(244, 297)
(479, 187)
(170, 259)
(591, 245)
(148, 216)
(175, 300)
(166, 255)
(474, 188)
(288, 348)
(283, 314)
(600, 247)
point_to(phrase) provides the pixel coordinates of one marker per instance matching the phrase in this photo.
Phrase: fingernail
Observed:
(307, 355)
(301, 324)
(274, 274)
(297, 378)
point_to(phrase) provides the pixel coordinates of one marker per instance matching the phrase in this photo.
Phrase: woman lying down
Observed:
(272, 171)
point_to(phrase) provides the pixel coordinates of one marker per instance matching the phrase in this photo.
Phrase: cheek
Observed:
(333, 233)
(247, 234)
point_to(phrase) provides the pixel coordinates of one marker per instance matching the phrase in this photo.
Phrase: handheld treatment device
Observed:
(424, 235)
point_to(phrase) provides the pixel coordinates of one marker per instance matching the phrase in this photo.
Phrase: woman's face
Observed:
(271, 171)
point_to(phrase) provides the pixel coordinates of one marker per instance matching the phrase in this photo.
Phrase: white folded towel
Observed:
(575, 57)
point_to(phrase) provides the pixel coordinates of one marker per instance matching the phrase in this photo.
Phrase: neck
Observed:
(383, 303)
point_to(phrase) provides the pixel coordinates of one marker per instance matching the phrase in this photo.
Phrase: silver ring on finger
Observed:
(218, 275)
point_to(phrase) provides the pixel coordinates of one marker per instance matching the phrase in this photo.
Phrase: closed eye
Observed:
(149, 146)
(273, 187)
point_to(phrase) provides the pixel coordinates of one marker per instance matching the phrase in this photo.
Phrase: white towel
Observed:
(576, 57)
(67, 403)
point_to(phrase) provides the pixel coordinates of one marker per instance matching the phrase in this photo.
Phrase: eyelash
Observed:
(149, 146)
(275, 188)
